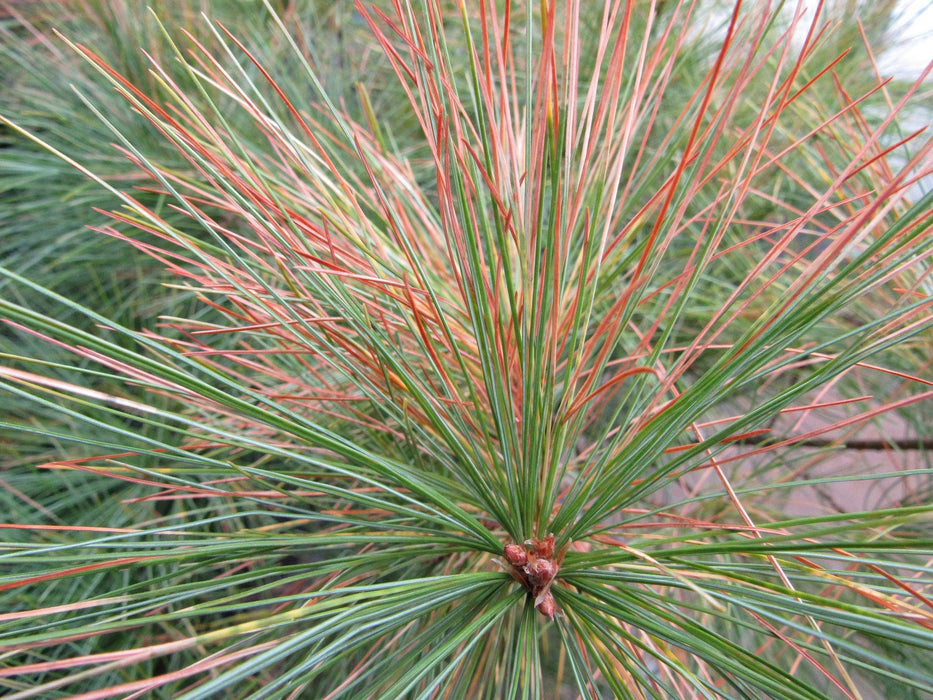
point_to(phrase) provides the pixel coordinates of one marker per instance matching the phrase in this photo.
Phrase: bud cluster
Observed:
(533, 564)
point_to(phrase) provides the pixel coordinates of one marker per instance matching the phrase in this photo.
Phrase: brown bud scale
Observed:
(534, 566)
(516, 555)
(547, 606)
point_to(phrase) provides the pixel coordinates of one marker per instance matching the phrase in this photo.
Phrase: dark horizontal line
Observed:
(865, 445)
